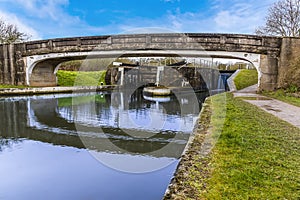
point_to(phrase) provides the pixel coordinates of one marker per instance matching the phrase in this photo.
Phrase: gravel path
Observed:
(282, 110)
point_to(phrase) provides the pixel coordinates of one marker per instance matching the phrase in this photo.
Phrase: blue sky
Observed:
(44, 19)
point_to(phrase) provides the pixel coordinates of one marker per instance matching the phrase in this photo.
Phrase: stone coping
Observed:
(230, 81)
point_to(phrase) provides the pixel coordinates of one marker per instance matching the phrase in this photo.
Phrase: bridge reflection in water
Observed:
(121, 126)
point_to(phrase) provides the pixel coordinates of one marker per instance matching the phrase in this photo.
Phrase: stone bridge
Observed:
(34, 63)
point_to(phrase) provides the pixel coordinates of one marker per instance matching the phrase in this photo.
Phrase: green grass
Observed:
(285, 96)
(12, 86)
(73, 78)
(78, 78)
(256, 156)
(245, 78)
(71, 101)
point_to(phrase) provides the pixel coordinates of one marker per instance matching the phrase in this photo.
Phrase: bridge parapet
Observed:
(167, 41)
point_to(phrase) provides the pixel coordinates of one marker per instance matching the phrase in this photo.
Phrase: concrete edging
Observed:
(52, 90)
(230, 81)
(187, 150)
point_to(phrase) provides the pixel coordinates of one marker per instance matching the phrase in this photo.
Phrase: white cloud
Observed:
(175, 22)
(170, 22)
(230, 16)
(48, 9)
(51, 19)
(43, 8)
(241, 17)
(23, 27)
(225, 20)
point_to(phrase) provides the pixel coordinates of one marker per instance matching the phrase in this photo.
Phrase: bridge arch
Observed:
(45, 66)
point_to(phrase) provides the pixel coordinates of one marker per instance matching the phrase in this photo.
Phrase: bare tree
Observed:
(9, 33)
(283, 19)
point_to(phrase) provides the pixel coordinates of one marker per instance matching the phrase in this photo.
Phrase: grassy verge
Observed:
(245, 78)
(78, 78)
(284, 96)
(73, 78)
(257, 156)
(12, 86)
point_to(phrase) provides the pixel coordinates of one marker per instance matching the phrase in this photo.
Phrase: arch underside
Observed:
(41, 69)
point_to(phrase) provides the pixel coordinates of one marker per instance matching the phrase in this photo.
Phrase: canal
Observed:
(97, 145)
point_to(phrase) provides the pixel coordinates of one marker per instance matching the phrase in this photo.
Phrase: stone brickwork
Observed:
(14, 58)
(290, 51)
(170, 41)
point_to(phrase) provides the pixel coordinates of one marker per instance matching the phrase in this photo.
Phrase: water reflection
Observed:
(45, 144)
(136, 125)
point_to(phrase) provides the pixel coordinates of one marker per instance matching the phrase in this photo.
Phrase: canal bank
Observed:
(53, 90)
(193, 160)
(256, 156)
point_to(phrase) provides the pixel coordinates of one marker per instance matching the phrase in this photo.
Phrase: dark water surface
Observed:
(113, 145)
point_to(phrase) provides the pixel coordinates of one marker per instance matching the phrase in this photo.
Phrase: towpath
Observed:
(282, 110)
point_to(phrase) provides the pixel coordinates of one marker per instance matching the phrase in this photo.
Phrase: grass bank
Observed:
(285, 95)
(245, 78)
(73, 78)
(257, 156)
(12, 86)
(80, 78)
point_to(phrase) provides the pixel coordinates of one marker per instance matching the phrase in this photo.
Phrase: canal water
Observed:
(108, 145)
